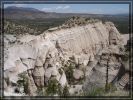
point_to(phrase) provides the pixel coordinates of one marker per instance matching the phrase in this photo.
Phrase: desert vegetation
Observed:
(38, 26)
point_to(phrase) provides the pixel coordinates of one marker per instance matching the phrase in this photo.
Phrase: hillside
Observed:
(31, 13)
(33, 18)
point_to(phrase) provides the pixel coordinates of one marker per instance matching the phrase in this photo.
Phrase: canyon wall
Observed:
(44, 56)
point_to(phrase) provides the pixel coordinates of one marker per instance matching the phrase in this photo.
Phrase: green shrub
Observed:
(69, 73)
(41, 92)
(95, 91)
(101, 91)
(53, 87)
(65, 91)
(23, 82)
(110, 87)
(0, 98)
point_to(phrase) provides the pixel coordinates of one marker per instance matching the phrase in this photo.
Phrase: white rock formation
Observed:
(63, 80)
(78, 74)
(125, 38)
(29, 51)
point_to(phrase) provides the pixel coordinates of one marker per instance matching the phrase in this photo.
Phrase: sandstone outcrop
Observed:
(38, 75)
(88, 44)
(32, 88)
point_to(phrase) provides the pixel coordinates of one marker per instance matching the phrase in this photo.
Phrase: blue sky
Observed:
(78, 8)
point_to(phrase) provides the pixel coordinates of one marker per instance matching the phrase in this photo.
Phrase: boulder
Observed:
(78, 74)
(51, 71)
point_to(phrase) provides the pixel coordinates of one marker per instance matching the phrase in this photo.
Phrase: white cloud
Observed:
(47, 9)
(67, 7)
(56, 9)
(59, 7)
(17, 5)
(62, 7)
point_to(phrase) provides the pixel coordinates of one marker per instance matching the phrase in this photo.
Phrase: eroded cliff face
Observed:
(75, 57)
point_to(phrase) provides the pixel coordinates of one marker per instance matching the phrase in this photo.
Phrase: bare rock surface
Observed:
(125, 38)
(78, 74)
(63, 80)
(46, 53)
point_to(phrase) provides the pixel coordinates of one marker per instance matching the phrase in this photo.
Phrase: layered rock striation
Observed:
(54, 54)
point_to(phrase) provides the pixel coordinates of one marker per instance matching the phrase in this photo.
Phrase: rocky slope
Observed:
(68, 59)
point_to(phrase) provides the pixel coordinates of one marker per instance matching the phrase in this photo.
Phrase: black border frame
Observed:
(130, 2)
